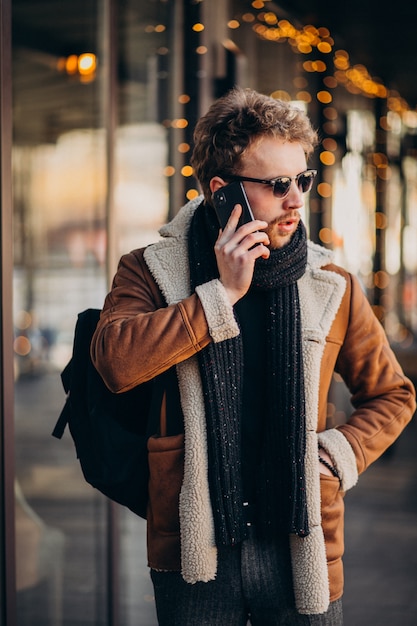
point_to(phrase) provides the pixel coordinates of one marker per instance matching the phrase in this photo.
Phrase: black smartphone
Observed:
(224, 200)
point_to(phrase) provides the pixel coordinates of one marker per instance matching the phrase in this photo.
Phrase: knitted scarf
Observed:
(281, 503)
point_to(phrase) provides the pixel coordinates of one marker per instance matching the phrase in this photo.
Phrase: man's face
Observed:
(269, 158)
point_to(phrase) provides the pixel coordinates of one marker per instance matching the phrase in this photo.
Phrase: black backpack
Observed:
(110, 431)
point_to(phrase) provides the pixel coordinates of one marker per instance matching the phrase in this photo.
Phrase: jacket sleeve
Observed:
(138, 336)
(382, 396)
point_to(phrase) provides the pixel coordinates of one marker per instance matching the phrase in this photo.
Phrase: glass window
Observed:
(60, 190)
(140, 208)
(74, 176)
(144, 56)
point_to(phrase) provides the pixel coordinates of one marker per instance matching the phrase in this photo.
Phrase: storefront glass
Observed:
(74, 174)
(105, 94)
(59, 181)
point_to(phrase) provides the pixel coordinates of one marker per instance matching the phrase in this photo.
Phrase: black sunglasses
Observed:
(281, 184)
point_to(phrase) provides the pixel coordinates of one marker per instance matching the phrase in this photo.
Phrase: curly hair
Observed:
(234, 122)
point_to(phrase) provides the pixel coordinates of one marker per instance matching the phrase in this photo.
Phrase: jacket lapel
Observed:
(168, 262)
(167, 259)
(321, 293)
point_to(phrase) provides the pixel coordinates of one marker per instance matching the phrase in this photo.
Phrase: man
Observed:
(248, 324)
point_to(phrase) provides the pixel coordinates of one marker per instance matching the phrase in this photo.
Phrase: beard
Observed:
(281, 230)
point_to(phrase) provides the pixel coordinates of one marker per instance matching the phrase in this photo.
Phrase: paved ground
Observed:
(381, 540)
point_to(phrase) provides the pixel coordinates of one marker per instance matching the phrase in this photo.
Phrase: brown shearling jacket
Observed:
(151, 322)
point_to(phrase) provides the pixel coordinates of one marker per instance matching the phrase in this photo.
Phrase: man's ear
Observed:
(215, 183)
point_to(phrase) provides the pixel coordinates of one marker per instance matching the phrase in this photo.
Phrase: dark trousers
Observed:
(253, 585)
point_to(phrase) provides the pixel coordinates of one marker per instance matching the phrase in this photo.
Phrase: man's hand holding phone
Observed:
(240, 242)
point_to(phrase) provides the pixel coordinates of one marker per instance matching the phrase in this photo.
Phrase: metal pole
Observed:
(110, 123)
(7, 503)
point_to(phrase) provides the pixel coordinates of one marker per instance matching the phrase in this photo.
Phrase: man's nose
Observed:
(294, 198)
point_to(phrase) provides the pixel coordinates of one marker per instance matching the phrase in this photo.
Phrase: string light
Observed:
(354, 78)
(87, 63)
(179, 123)
(327, 158)
(187, 171)
(84, 66)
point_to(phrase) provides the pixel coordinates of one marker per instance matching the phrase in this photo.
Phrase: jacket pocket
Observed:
(332, 516)
(166, 471)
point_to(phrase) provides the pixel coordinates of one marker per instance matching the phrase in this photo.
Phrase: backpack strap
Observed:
(62, 420)
(163, 417)
(64, 416)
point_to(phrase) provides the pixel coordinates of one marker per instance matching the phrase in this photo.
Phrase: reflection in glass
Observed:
(59, 181)
(61, 202)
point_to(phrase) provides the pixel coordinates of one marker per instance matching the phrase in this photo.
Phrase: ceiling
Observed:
(382, 40)
(379, 35)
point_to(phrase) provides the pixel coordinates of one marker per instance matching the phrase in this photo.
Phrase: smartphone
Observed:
(224, 200)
